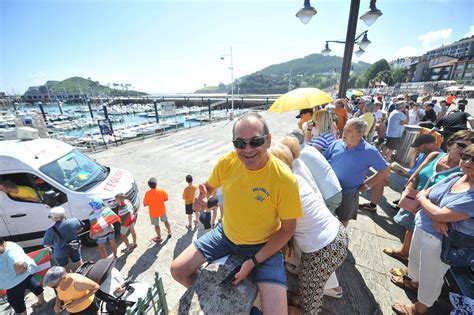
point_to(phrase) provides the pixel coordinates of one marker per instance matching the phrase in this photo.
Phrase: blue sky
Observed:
(175, 46)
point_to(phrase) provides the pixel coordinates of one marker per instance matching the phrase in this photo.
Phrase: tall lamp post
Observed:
(369, 18)
(231, 76)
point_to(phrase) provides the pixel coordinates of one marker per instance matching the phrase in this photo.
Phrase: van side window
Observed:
(26, 187)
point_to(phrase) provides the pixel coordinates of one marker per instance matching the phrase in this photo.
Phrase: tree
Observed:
(399, 75)
(385, 76)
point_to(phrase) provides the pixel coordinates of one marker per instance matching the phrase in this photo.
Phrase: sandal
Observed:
(404, 284)
(156, 239)
(405, 309)
(133, 245)
(395, 254)
(368, 206)
(400, 272)
(127, 250)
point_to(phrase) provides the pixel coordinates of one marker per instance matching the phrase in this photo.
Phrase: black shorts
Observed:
(392, 143)
(189, 208)
(205, 218)
(91, 309)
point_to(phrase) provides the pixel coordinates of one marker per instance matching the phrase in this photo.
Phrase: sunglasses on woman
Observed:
(461, 145)
(467, 157)
(253, 143)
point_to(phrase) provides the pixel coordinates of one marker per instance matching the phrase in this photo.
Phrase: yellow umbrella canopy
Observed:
(300, 99)
(357, 93)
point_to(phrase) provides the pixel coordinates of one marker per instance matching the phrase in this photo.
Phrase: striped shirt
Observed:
(323, 141)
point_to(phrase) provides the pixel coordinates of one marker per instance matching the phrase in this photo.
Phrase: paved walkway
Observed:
(364, 275)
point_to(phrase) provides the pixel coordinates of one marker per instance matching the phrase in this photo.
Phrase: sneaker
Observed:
(368, 206)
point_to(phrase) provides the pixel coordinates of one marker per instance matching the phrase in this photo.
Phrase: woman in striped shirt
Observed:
(320, 132)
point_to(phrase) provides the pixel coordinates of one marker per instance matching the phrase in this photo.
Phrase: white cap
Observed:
(57, 212)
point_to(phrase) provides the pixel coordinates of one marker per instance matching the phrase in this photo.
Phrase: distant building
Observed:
(464, 70)
(440, 68)
(461, 48)
(405, 62)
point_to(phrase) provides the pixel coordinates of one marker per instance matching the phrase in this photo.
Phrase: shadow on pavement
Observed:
(183, 242)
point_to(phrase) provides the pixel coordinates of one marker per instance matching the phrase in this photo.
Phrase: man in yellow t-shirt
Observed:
(19, 192)
(261, 207)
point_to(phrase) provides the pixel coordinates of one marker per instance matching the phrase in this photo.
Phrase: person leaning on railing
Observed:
(449, 204)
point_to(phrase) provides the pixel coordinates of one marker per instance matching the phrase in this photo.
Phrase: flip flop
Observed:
(400, 272)
(404, 284)
(405, 309)
(127, 250)
(133, 245)
(395, 254)
(157, 239)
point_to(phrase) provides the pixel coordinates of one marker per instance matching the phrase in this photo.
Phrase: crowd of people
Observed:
(298, 192)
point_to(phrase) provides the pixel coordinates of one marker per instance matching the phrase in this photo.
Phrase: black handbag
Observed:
(72, 245)
(458, 249)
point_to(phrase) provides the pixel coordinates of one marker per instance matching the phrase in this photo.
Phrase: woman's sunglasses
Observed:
(254, 142)
(461, 145)
(467, 157)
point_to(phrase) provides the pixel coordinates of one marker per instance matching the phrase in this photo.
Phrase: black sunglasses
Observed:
(254, 142)
(467, 157)
(461, 145)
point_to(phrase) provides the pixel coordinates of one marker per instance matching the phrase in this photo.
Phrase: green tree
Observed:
(399, 75)
(385, 76)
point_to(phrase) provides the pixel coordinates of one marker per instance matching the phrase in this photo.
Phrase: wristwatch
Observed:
(254, 260)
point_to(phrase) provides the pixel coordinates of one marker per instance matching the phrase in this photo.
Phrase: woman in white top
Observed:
(319, 236)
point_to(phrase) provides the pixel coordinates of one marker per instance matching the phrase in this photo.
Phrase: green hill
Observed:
(314, 70)
(78, 85)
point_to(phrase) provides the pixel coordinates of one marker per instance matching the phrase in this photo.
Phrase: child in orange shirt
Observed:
(155, 201)
(188, 196)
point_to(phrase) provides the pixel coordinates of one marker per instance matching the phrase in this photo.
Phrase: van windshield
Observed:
(76, 171)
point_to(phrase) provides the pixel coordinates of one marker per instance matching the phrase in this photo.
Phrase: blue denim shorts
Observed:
(406, 219)
(214, 245)
(63, 257)
(105, 238)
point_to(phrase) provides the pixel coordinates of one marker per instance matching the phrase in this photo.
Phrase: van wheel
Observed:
(86, 238)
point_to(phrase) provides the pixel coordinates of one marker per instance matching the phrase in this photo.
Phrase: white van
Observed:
(61, 176)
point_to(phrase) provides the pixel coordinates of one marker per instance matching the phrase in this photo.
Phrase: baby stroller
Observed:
(116, 292)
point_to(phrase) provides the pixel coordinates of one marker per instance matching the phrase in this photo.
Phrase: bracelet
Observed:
(254, 260)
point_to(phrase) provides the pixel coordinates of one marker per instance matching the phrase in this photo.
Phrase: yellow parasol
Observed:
(357, 93)
(300, 99)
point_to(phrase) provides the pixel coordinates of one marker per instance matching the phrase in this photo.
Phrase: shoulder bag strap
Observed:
(57, 232)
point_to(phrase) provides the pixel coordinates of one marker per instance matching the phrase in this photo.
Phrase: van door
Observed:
(3, 227)
(27, 219)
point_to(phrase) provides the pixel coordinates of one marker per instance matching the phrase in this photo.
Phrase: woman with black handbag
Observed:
(63, 237)
(447, 215)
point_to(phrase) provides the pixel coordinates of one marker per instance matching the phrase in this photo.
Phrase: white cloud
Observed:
(405, 51)
(470, 33)
(435, 39)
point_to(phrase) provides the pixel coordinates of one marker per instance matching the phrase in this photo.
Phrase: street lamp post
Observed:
(369, 18)
(231, 76)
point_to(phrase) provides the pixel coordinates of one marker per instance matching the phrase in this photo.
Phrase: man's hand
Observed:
(200, 198)
(57, 308)
(20, 267)
(246, 268)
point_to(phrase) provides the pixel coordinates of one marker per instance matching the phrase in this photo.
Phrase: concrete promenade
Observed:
(364, 276)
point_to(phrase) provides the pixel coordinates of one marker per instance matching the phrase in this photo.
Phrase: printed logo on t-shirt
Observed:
(261, 193)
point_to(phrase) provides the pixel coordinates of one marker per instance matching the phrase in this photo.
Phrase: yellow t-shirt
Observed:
(24, 192)
(255, 201)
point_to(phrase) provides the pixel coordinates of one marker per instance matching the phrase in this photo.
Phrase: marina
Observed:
(77, 124)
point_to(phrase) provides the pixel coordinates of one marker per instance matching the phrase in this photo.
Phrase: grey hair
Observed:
(401, 104)
(298, 134)
(53, 276)
(369, 106)
(359, 124)
(249, 115)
